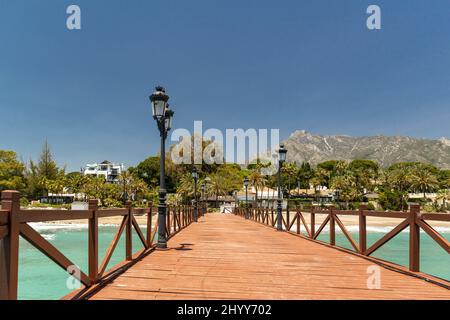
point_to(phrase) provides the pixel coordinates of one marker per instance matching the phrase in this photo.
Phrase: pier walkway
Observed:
(224, 256)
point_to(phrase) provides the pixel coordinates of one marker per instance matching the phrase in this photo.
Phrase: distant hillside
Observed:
(304, 146)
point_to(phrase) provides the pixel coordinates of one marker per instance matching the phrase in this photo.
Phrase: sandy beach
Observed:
(348, 221)
(141, 220)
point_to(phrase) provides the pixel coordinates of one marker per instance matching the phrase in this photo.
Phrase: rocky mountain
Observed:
(386, 150)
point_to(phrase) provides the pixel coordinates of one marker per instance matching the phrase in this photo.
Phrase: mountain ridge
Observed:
(386, 150)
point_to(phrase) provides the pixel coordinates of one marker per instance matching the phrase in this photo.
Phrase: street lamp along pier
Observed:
(163, 116)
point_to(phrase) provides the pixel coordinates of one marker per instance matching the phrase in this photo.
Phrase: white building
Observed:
(267, 197)
(110, 171)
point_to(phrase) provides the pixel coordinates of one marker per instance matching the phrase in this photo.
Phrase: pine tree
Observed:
(47, 167)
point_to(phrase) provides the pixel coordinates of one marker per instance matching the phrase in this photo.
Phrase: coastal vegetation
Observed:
(352, 181)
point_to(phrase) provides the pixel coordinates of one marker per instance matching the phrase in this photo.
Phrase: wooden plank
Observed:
(414, 238)
(332, 228)
(93, 247)
(139, 232)
(128, 234)
(112, 213)
(402, 215)
(362, 229)
(112, 247)
(228, 257)
(444, 243)
(284, 225)
(321, 211)
(9, 247)
(34, 238)
(346, 233)
(435, 216)
(139, 211)
(346, 212)
(293, 221)
(305, 224)
(324, 223)
(26, 216)
(387, 237)
(149, 227)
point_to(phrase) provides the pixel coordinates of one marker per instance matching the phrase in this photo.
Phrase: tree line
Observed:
(352, 181)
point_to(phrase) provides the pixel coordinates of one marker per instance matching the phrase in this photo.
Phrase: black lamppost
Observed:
(246, 196)
(281, 159)
(163, 116)
(195, 177)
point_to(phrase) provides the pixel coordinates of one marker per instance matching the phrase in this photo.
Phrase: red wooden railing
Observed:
(413, 219)
(14, 223)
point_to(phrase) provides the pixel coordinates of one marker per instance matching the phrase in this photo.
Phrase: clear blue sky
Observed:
(233, 64)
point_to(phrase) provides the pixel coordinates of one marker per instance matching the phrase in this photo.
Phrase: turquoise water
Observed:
(434, 260)
(40, 278)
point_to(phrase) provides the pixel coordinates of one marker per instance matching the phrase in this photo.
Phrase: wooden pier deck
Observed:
(226, 257)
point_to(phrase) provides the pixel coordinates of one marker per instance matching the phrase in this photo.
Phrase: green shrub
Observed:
(370, 206)
(112, 203)
(24, 202)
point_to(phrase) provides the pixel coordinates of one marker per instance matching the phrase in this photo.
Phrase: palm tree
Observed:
(444, 196)
(401, 180)
(346, 185)
(139, 188)
(341, 167)
(186, 187)
(218, 187)
(258, 181)
(424, 180)
(291, 170)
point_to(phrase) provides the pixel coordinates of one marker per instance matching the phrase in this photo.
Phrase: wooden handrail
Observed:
(14, 223)
(435, 216)
(413, 219)
(26, 216)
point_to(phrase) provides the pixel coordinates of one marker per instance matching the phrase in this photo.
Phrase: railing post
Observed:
(313, 223)
(288, 218)
(188, 218)
(180, 217)
(149, 225)
(128, 233)
(414, 238)
(271, 217)
(169, 228)
(332, 227)
(9, 247)
(298, 221)
(362, 229)
(174, 210)
(93, 240)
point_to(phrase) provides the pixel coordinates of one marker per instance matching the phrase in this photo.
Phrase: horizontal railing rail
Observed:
(14, 223)
(413, 220)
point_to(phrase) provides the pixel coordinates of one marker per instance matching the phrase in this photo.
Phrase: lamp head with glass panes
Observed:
(159, 100)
